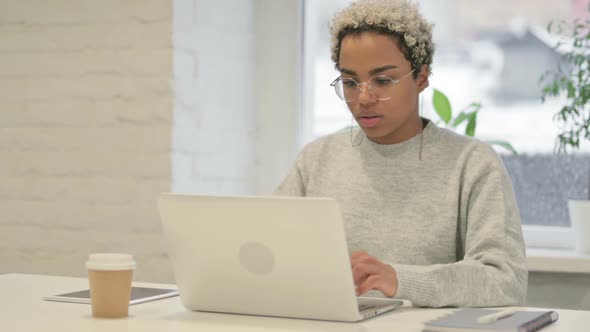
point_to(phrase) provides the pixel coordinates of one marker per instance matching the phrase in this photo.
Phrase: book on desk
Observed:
(500, 320)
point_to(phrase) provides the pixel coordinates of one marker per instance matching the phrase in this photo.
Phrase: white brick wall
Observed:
(214, 118)
(86, 114)
(91, 130)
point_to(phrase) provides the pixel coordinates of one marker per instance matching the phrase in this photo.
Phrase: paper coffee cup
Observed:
(110, 278)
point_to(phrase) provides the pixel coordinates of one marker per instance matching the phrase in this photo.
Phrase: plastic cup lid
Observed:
(110, 262)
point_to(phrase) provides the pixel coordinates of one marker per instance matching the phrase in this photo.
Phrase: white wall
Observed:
(236, 74)
(84, 132)
(91, 129)
(279, 117)
(214, 121)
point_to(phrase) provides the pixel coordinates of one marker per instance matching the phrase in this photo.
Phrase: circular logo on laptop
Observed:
(256, 258)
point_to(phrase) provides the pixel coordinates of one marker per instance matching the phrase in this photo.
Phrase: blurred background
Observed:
(105, 104)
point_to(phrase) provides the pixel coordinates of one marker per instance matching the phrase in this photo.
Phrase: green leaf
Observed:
(571, 90)
(504, 145)
(473, 107)
(459, 119)
(472, 122)
(442, 106)
(555, 88)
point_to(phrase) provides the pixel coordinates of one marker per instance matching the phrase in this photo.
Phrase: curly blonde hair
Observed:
(397, 18)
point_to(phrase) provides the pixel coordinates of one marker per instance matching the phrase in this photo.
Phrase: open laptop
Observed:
(271, 256)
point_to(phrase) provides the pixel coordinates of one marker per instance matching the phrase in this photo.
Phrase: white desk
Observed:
(22, 309)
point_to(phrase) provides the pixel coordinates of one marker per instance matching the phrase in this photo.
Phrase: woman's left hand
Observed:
(370, 273)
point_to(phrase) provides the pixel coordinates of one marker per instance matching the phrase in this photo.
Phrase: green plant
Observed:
(442, 106)
(572, 79)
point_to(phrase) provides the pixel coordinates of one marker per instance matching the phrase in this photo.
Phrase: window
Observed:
(494, 53)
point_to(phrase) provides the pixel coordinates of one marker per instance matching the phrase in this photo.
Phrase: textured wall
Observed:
(85, 132)
(213, 144)
(91, 129)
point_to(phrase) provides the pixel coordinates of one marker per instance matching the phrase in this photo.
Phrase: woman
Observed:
(430, 215)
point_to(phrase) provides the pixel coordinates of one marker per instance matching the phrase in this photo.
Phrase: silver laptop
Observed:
(271, 256)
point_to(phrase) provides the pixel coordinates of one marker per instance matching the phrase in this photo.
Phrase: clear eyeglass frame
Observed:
(372, 87)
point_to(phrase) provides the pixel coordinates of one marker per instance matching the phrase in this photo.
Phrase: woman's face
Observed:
(396, 119)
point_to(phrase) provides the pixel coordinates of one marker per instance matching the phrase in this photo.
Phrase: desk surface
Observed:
(22, 309)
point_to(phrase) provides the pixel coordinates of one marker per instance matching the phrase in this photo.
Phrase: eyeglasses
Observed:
(380, 87)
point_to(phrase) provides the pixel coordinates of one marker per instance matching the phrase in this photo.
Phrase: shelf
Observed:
(557, 260)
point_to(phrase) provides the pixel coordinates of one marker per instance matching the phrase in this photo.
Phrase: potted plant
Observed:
(442, 106)
(572, 80)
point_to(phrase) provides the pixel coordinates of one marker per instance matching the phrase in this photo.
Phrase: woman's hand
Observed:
(370, 273)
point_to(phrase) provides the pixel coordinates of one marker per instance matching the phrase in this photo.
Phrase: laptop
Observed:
(263, 255)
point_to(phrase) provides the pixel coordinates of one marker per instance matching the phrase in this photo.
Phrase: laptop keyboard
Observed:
(365, 306)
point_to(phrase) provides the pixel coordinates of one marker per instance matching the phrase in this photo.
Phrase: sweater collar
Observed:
(428, 135)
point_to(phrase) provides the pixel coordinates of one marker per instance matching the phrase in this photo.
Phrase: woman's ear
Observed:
(422, 78)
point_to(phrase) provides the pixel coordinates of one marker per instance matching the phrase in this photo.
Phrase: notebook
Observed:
(271, 256)
(474, 320)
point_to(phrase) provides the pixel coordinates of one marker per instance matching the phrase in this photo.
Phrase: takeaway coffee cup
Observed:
(110, 278)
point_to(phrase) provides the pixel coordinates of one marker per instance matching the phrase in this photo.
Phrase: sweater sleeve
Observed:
(293, 184)
(492, 271)
(297, 180)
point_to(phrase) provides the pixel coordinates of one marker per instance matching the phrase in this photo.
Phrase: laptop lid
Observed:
(274, 256)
